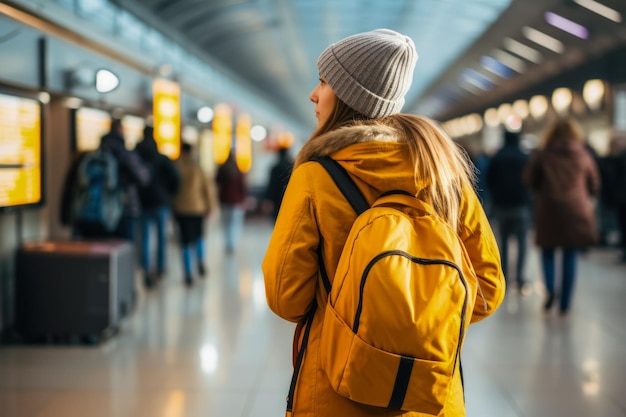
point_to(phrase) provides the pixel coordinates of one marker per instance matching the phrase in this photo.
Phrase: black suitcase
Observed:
(74, 288)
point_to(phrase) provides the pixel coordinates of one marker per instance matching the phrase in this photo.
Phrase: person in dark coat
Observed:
(232, 189)
(69, 190)
(279, 177)
(156, 198)
(132, 174)
(511, 202)
(563, 178)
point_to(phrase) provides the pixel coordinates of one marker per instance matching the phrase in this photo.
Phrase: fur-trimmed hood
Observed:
(333, 141)
(373, 153)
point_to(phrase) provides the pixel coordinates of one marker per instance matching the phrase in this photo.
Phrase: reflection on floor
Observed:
(216, 350)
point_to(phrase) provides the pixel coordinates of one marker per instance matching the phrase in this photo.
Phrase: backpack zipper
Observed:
(422, 261)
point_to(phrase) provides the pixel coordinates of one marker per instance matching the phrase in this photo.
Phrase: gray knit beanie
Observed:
(371, 71)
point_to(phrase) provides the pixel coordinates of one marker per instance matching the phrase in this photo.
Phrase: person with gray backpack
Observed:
(105, 200)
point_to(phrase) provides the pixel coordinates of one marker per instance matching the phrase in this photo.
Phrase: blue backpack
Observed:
(98, 200)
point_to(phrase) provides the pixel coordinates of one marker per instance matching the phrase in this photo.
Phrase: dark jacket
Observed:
(231, 183)
(279, 178)
(564, 178)
(164, 176)
(70, 189)
(505, 176)
(132, 173)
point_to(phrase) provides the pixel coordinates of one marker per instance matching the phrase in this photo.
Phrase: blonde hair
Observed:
(443, 171)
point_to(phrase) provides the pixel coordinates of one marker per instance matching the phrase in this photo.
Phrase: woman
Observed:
(192, 204)
(363, 80)
(563, 177)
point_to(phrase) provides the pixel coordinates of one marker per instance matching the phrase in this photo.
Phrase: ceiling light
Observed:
(496, 67)
(451, 127)
(470, 89)
(474, 122)
(593, 93)
(538, 106)
(566, 25)
(513, 123)
(491, 117)
(561, 99)
(520, 107)
(504, 111)
(106, 81)
(600, 9)
(544, 40)
(44, 97)
(522, 50)
(258, 133)
(509, 60)
(476, 79)
(205, 114)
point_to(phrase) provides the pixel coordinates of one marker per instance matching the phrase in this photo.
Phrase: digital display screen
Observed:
(91, 125)
(20, 151)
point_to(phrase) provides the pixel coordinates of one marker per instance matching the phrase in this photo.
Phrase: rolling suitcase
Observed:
(73, 288)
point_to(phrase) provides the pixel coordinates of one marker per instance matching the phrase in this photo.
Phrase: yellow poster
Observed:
(166, 112)
(20, 151)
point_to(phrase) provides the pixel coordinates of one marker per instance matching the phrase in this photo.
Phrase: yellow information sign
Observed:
(20, 151)
(166, 112)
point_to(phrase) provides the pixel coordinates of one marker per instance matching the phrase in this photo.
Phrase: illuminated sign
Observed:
(20, 151)
(222, 133)
(91, 125)
(166, 109)
(243, 147)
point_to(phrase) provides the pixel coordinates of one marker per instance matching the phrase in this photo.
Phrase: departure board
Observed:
(20, 151)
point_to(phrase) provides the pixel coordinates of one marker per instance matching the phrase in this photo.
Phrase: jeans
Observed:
(232, 217)
(187, 256)
(568, 274)
(513, 222)
(157, 216)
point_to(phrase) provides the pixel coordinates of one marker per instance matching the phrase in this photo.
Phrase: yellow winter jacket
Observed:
(314, 213)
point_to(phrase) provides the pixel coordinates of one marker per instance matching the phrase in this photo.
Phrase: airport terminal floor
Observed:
(215, 349)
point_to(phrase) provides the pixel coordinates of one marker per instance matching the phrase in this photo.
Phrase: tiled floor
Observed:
(216, 350)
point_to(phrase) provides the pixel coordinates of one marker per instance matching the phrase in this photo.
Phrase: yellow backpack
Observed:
(399, 306)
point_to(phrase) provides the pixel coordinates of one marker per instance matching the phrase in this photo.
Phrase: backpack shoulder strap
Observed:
(350, 191)
(345, 184)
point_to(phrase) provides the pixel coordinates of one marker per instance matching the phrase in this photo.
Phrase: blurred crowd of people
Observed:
(562, 191)
(571, 198)
(114, 192)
